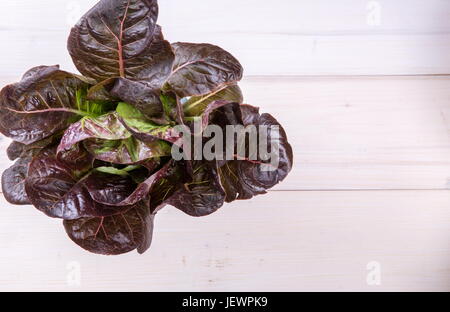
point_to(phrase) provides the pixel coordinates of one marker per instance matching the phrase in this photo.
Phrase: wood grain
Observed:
(285, 241)
(290, 37)
(361, 132)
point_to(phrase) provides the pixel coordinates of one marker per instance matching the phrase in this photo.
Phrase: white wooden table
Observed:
(370, 190)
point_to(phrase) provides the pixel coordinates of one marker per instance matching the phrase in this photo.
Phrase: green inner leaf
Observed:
(130, 147)
(135, 119)
(115, 171)
(196, 105)
(89, 108)
(169, 103)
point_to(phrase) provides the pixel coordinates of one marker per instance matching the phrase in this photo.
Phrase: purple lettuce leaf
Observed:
(15, 150)
(13, 182)
(102, 187)
(54, 187)
(114, 235)
(120, 38)
(244, 178)
(19, 150)
(200, 69)
(127, 152)
(106, 127)
(46, 101)
(203, 194)
(107, 139)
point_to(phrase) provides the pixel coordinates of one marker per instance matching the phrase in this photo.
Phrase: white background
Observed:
(362, 90)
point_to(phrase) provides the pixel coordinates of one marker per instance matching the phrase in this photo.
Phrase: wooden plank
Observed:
(292, 38)
(361, 132)
(356, 133)
(319, 16)
(284, 241)
(271, 54)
